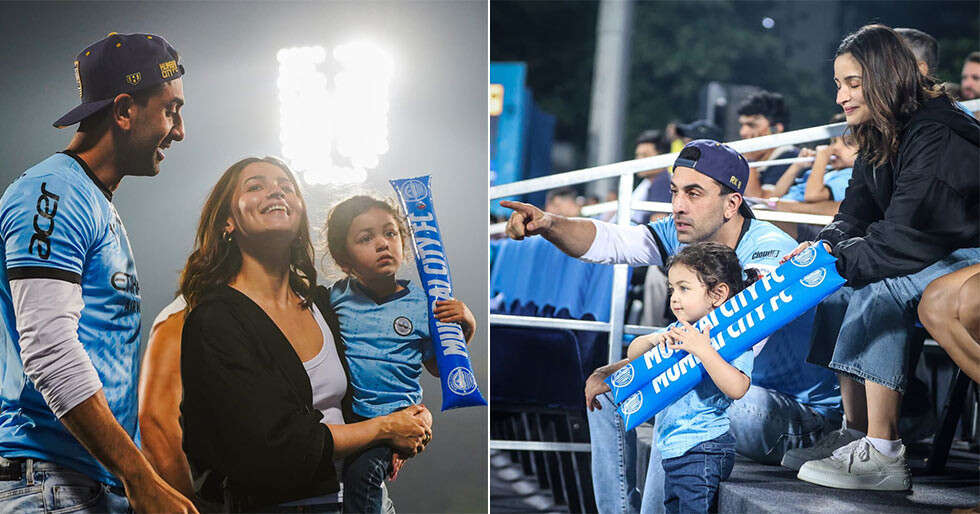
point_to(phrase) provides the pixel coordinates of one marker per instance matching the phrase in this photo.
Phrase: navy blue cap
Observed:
(120, 63)
(699, 129)
(720, 162)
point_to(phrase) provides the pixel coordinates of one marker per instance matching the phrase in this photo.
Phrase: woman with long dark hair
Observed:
(264, 376)
(910, 215)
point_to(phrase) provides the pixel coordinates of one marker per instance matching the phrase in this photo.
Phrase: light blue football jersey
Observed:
(58, 222)
(834, 180)
(386, 340)
(781, 365)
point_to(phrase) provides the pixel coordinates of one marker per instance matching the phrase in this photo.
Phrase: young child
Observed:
(385, 326)
(697, 448)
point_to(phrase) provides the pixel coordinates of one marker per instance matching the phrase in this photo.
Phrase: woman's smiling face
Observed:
(267, 203)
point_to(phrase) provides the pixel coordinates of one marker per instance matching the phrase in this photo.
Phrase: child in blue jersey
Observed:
(385, 327)
(693, 435)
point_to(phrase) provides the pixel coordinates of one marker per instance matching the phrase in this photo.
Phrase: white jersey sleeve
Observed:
(614, 244)
(47, 312)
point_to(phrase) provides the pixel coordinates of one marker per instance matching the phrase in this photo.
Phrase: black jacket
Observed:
(899, 218)
(247, 412)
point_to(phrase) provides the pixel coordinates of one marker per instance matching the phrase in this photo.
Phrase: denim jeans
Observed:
(765, 424)
(864, 333)
(364, 478)
(691, 480)
(48, 487)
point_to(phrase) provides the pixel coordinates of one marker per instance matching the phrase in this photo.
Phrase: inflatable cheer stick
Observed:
(781, 308)
(640, 371)
(459, 388)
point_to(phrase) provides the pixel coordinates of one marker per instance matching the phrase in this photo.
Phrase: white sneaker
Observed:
(794, 458)
(859, 465)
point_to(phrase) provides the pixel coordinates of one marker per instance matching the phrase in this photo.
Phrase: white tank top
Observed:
(329, 386)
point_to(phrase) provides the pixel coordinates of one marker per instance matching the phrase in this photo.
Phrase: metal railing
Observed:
(625, 170)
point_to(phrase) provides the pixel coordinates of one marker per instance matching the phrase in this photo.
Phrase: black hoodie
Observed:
(899, 218)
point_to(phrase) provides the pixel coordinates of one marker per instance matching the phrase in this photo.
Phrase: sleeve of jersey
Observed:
(48, 231)
(744, 362)
(635, 245)
(428, 347)
(47, 312)
(838, 185)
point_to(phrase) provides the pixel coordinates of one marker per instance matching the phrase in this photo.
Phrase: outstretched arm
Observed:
(573, 236)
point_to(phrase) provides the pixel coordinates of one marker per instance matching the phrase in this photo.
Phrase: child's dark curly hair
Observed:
(715, 263)
(342, 216)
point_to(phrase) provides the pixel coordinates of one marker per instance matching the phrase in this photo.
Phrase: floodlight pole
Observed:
(610, 79)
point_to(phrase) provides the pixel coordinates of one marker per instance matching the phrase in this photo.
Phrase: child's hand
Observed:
(397, 461)
(455, 311)
(643, 344)
(689, 339)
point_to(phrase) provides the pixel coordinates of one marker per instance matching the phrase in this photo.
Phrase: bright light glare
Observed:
(334, 136)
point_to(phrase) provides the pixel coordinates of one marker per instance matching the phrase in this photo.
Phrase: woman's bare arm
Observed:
(159, 405)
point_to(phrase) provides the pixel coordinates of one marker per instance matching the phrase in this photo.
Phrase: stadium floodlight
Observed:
(334, 135)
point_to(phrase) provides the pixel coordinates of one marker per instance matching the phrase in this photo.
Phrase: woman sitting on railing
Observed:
(910, 215)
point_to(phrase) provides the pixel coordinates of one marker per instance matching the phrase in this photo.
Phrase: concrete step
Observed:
(760, 488)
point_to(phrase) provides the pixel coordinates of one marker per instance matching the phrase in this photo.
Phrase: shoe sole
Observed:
(792, 462)
(868, 482)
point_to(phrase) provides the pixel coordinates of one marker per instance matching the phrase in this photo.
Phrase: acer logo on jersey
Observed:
(47, 208)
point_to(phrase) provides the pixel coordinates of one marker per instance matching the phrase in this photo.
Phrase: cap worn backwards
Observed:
(720, 162)
(120, 63)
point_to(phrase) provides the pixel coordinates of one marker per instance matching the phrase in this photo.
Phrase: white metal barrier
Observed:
(625, 171)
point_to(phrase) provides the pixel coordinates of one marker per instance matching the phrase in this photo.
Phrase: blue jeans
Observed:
(364, 477)
(48, 487)
(765, 424)
(863, 333)
(691, 480)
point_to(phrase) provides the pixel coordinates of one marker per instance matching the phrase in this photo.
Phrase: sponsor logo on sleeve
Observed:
(47, 209)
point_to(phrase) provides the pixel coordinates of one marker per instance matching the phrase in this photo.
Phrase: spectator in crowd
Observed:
(674, 140)
(789, 404)
(764, 113)
(817, 190)
(910, 216)
(698, 129)
(563, 201)
(926, 51)
(655, 187)
(924, 47)
(970, 77)
(655, 184)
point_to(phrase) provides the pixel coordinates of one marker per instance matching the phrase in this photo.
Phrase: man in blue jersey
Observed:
(790, 403)
(70, 298)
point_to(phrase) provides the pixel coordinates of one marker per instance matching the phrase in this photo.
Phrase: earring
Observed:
(226, 237)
